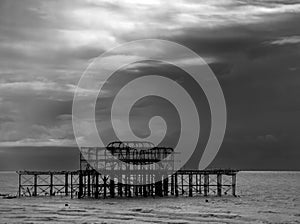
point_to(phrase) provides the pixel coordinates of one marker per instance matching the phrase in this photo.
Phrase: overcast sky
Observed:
(253, 47)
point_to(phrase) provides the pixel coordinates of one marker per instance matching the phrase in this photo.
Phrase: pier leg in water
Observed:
(219, 184)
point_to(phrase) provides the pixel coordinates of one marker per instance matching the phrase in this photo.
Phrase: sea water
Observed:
(263, 197)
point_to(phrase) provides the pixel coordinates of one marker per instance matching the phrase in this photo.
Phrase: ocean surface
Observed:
(263, 197)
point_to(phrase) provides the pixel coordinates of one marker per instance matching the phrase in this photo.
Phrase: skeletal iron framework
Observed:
(127, 169)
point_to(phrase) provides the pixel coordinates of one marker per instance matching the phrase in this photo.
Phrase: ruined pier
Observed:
(118, 170)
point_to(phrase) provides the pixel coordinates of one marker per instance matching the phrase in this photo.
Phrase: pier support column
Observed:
(97, 185)
(136, 190)
(89, 184)
(206, 184)
(233, 184)
(104, 186)
(145, 192)
(80, 187)
(51, 184)
(71, 185)
(191, 185)
(176, 185)
(196, 185)
(120, 190)
(172, 185)
(166, 186)
(219, 184)
(200, 184)
(35, 185)
(158, 185)
(182, 185)
(20, 183)
(112, 188)
(66, 184)
(126, 187)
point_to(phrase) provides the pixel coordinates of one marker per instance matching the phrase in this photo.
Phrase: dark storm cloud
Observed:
(244, 40)
(257, 66)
